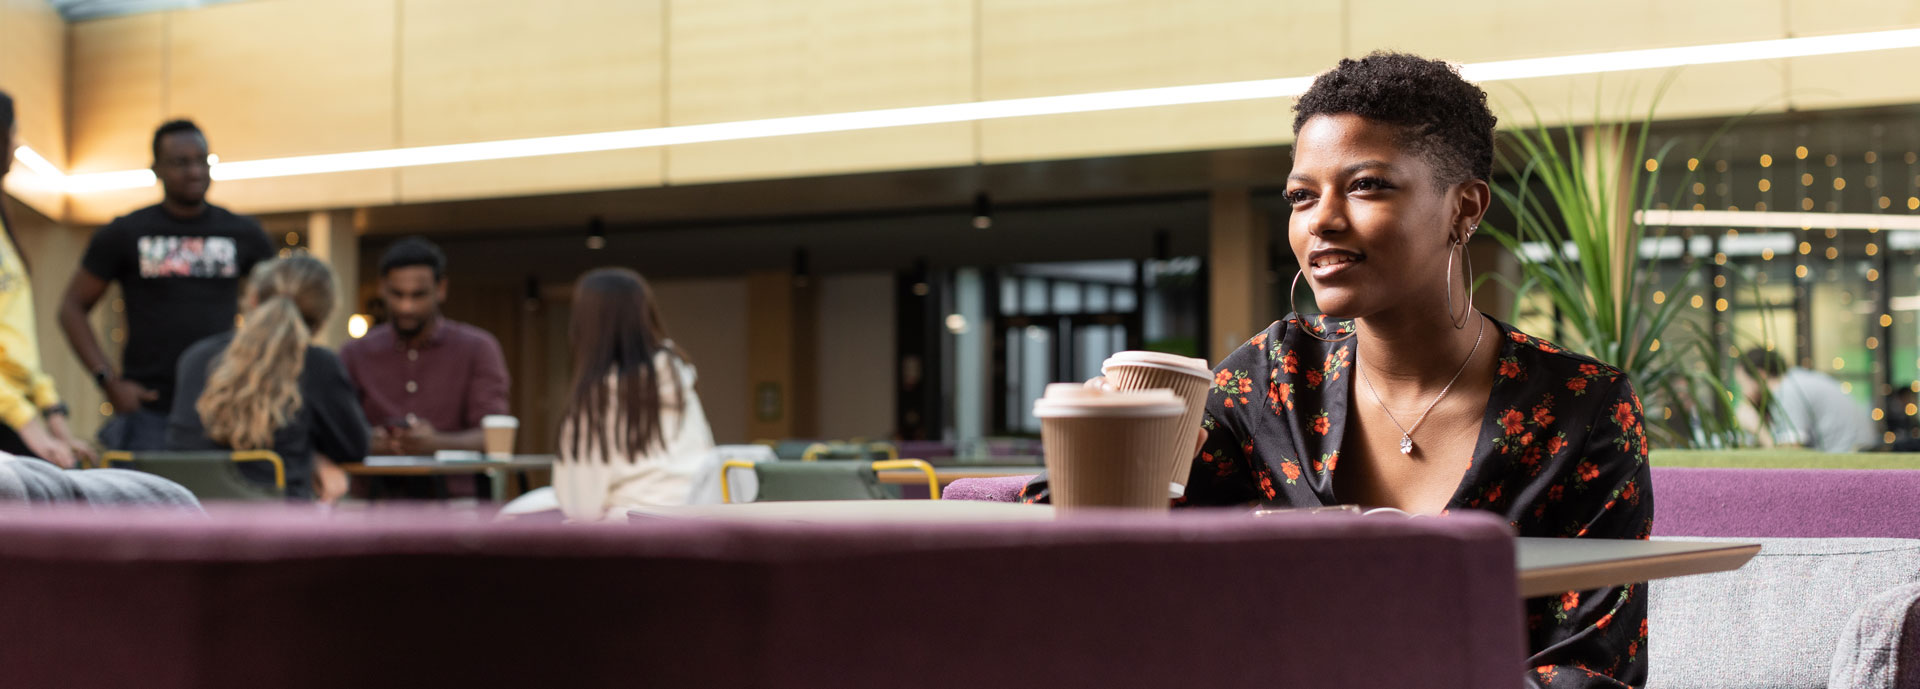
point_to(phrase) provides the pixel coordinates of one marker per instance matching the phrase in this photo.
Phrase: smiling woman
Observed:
(1453, 409)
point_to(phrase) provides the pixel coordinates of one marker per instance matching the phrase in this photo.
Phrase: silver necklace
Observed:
(1406, 434)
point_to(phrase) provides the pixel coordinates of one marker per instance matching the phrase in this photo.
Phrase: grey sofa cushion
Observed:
(1776, 622)
(1880, 648)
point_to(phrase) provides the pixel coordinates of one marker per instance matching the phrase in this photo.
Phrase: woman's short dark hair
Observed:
(1445, 116)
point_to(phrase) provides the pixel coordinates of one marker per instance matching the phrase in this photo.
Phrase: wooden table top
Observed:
(1550, 566)
(1546, 566)
(387, 465)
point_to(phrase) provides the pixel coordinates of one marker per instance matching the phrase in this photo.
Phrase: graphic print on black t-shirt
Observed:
(180, 278)
(188, 257)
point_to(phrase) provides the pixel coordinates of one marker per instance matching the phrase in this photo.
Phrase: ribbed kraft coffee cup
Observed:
(1187, 377)
(1107, 448)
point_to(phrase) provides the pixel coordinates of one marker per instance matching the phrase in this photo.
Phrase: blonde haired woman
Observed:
(265, 386)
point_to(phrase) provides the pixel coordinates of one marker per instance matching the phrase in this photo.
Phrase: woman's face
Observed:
(1370, 224)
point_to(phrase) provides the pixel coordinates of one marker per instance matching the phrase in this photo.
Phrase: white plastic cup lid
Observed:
(499, 421)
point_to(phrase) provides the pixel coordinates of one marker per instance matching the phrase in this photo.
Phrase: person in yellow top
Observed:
(35, 420)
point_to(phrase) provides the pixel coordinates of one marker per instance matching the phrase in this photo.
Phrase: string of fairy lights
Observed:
(1853, 290)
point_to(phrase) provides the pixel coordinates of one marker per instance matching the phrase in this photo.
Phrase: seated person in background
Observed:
(1419, 402)
(265, 387)
(425, 380)
(1808, 408)
(634, 433)
(35, 422)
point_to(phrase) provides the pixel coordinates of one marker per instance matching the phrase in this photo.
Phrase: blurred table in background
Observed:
(497, 471)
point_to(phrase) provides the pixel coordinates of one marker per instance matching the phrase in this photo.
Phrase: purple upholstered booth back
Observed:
(416, 600)
(1786, 503)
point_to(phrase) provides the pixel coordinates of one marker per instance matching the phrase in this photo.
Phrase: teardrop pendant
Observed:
(1406, 444)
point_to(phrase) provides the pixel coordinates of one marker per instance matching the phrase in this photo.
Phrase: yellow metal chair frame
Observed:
(814, 451)
(269, 456)
(933, 479)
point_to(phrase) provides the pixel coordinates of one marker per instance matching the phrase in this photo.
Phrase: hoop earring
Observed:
(1465, 313)
(1294, 302)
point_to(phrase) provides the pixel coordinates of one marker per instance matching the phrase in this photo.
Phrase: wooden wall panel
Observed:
(1844, 81)
(285, 78)
(520, 68)
(1053, 47)
(33, 57)
(732, 60)
(33, 68)
(1507, 30)
(118, 87)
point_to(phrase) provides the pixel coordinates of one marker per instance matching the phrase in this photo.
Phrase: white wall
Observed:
(708, 319)
(856, 350)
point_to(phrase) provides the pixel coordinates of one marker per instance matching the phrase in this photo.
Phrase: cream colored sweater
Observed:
(594, 488)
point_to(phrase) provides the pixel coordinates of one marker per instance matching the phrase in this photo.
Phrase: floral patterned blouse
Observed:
(1562, 453)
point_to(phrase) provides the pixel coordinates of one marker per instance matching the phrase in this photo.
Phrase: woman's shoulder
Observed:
(1533, 354)
(323, 360)
(207, 348)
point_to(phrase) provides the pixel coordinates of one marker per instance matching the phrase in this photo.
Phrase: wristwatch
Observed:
(102, 376)
(58, 409)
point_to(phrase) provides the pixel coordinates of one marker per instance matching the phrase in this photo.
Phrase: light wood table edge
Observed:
(1547, 581)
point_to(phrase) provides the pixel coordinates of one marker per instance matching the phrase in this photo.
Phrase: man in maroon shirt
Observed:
(425, 381)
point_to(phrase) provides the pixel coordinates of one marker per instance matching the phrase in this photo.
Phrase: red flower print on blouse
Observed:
(1291, 469)
(1313, 379)
(1221, 377)
(1259, 341)
(1623, 415)
(1605, 620)
(1629, 492)
(1321, 424)
(1266, 484)
(1542, 416)
(1290, 363)
(1513, 420)
(1555, 444)
(1246, 386)
(1587, 471)
(1643, 628)
(1589, 370)
(1555, 493)
(1577, 385)
(1517, 336)
(1510, 368)
(1493, 496)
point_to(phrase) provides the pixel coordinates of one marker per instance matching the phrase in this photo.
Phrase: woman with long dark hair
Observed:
(634, 433)
(264, 386)
(33, 421)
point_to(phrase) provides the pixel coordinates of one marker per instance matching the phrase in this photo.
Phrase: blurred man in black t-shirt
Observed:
(179, 264)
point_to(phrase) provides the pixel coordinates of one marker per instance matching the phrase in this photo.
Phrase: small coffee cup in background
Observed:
(499, 430)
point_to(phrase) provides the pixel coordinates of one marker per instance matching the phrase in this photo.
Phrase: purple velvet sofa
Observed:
(400, 599)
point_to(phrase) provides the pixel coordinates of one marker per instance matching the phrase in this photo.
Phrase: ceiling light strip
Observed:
(1593, 63)
(1779, 220)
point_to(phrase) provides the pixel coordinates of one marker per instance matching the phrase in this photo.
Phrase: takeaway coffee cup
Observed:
(1108, 448)
(1186, 377)
(498, 432)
